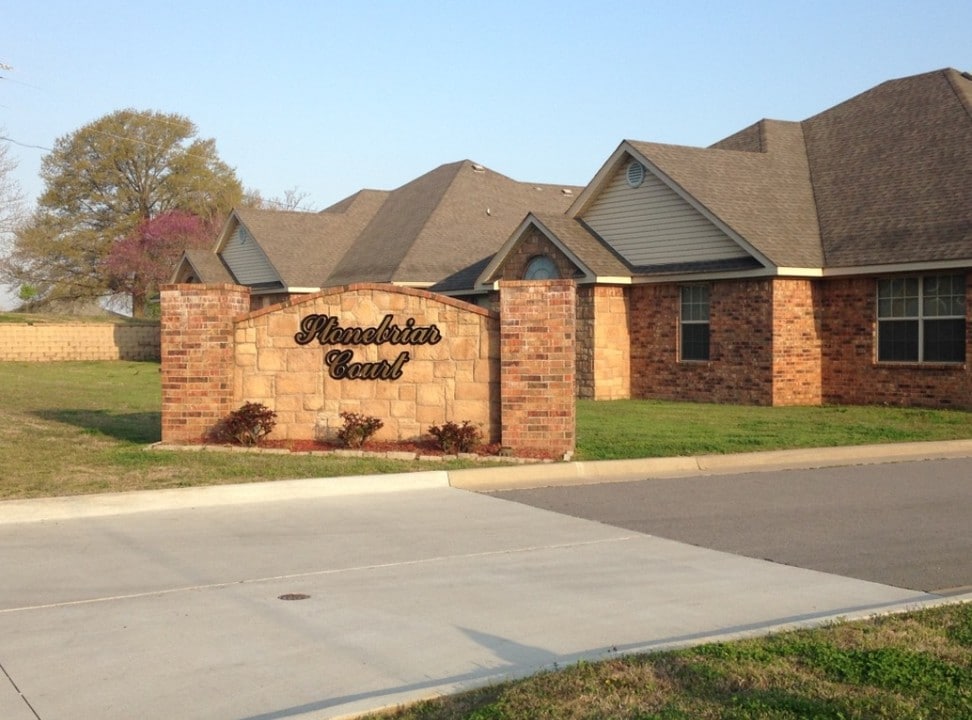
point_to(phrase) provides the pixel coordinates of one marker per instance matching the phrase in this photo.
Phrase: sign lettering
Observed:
(340, 363)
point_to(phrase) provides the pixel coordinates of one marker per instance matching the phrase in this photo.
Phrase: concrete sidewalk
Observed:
(169, 604)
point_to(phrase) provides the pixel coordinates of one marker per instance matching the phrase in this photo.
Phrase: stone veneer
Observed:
(452, 380)
(216, 356)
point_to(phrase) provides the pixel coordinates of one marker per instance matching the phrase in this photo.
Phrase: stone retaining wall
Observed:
(80, 341)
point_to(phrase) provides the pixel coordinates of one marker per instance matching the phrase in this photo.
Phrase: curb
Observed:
(122, 503)
(605, 471)
(486, 479)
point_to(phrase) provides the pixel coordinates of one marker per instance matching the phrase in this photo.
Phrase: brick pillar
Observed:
(198, 357)
(537, 375)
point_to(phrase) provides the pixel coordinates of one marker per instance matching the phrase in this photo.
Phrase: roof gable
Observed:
(201, 266)
(649, 223)
(302, 248)
(595, 261)
(243, 256)
(715, 207)
(764, 199)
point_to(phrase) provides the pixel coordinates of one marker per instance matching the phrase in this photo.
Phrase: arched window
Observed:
(541, 268)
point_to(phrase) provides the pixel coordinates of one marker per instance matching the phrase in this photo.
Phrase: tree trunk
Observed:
(138, 305)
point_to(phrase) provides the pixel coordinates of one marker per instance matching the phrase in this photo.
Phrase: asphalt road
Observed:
(906, 524)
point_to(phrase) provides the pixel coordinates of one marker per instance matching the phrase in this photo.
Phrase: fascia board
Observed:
(601, 177)
(931, 265)
(226, 232)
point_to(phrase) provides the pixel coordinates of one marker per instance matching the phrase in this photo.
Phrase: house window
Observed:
(921, 319)
(695, 322)
(541, 268)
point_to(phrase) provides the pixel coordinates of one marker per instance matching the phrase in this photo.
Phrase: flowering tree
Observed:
(142, 260)
(103, 182)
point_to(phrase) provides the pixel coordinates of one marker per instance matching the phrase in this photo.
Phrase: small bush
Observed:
(453, 438)
(248, 425)
(357, 429)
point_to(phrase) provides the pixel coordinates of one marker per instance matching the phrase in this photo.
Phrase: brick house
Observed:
(434, 233)
(820, 261)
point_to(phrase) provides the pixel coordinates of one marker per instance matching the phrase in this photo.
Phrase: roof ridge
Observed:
(964, 99)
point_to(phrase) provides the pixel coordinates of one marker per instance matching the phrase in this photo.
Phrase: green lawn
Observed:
(81, 427)
(907, 667)
(643, 428)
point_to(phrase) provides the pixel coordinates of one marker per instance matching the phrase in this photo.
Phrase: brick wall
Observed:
(784, 341)
(81, 341)
(537, 358)
(198, 357)
(740, 369)
(851, 373)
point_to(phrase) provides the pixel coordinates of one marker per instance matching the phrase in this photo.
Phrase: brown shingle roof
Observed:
(582, 242)
(883, 178)
(305, 247)
(207, 267)
(892, 171)
(442, 225)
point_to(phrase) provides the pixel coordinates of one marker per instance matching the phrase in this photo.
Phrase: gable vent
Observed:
(636, 174)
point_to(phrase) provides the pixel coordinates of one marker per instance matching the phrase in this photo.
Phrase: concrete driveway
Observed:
(162, 605)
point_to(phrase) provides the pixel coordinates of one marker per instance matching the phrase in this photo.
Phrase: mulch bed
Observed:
(419, 448)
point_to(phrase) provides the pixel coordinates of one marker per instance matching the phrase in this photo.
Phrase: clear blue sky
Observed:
(330, 97)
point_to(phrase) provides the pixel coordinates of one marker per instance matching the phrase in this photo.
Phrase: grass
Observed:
(26, 318)
(81, 427)
(640, 428)
(916, 666)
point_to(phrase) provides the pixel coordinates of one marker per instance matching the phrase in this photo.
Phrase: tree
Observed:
(102, 182)
(142, 260)
(11, 196)
(293, 199)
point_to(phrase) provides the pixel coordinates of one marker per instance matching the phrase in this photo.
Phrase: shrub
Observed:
(453, 438)
(357, 429)
(247, 425)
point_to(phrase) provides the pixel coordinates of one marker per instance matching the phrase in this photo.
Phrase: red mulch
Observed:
(417, 447)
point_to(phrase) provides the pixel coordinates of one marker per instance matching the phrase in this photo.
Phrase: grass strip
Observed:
(914, 666)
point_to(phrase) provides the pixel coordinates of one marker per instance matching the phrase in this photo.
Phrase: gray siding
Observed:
(652, 225)
(247, 261)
